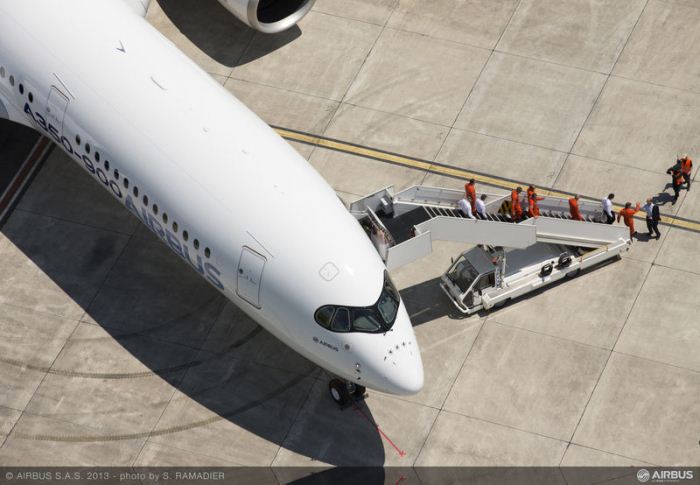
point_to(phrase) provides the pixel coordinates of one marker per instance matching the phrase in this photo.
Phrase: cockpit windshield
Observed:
(377, 318)
(462, 274)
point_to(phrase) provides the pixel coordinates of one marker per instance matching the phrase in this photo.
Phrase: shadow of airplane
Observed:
(220, 35)
(179, 327)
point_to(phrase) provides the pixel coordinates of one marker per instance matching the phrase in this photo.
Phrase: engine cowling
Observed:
(269, 16)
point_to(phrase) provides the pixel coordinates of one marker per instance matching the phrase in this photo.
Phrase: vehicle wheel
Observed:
(573, 274)
(502, 303)
(359, 391)
(339, 391)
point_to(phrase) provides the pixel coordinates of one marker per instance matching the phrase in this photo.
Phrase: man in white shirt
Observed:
(653, 217)
(607, 209)
(466, 207)
(481, 206)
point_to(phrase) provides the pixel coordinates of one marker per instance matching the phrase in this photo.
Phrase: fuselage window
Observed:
(116, 174)
(145, 200)
(97, 158)
(207, 253)
(126, 183)
(136, 191)
(155, 209)
(196, 243)
(87, 148)
(165, 217)
(77, 139)
(185, 235)
(21, 88)
(175, 227)
(31, 97)
(12, 80)
(2, 72)
(107, 165)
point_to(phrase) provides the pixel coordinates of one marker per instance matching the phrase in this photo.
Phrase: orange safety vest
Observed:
(573, 208)
(686, 165)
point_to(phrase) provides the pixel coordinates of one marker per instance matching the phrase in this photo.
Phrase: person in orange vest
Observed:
(516, 210)
(677, 180)
(627, 214)
(470, 190)
(573, 208)
(686, 166)
(530, 191)
(533, 210)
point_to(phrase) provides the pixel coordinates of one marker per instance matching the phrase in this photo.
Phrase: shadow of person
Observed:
(219, 34)
(662, 198)
(215, 383)
(642, 236)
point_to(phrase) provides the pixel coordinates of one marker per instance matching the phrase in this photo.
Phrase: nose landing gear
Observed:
(345, 393)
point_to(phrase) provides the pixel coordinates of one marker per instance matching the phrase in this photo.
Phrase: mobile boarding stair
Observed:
(404, 225)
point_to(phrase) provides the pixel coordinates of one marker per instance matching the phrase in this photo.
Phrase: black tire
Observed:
(573, 274)
(339, 392)
(359, 391)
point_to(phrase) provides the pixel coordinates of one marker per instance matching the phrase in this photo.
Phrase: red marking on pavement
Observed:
(26, 170)
(398, 450)
(401, 479)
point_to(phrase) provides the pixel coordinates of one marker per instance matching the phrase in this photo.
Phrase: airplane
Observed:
(215, 183)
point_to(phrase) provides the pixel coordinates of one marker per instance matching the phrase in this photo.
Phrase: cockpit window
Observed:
(377, 318)
(324, 315)
(341, 321)
(366, 320)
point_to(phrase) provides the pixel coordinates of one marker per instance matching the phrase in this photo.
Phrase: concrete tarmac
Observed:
(112, 352)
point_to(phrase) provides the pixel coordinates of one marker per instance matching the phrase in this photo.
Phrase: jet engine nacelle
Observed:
(269, 16)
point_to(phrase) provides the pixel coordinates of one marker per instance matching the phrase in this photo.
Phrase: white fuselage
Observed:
(140, 117)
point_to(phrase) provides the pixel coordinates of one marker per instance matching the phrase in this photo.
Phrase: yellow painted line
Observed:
(449, 171)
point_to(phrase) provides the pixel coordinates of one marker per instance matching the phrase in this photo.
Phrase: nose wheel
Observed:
(345, 393)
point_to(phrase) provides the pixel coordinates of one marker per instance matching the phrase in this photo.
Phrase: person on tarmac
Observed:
(677, 180)
(573, 208)
(627, 214)
(533, 209)
(653, 217)
(470, 190)
(608, 209)
(466, 208)
(686, 166)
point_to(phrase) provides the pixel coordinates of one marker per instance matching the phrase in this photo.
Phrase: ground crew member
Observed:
(653, 217)
(533, 210)
(516, 210)
(466, 208)
(607, 209)
(686, 169)
(481, 206)
(573, 208)
(627, 214)
(530, 191)
(470, 190)
(677, 180)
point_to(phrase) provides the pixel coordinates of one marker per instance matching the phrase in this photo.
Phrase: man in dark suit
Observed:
(653, 217)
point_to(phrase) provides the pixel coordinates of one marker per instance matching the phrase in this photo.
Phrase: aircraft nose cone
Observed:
(404, 366)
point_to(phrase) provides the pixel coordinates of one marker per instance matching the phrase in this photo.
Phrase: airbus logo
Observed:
(665, 476)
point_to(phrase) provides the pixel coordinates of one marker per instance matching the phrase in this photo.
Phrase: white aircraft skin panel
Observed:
(215, 168)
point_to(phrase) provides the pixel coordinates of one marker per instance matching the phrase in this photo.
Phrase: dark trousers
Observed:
(686, 178)
(609, 219)
(676, 192)
(653, 226)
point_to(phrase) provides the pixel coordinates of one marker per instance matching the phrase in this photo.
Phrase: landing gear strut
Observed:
(344, 392)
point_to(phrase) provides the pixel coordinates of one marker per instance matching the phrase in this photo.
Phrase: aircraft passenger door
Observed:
(56, 107)
(250, 272)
